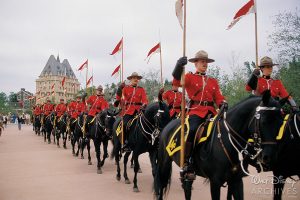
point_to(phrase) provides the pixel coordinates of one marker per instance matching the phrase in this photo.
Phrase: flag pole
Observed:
(92, 81)
(183, 91)
(122, 79)
(161, 67)
(256, 40)
(86, 75)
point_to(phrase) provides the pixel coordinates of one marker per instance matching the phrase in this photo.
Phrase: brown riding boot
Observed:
(187, 172)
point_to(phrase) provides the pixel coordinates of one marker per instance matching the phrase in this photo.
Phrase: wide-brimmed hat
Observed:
(99, 88)
(266, 61)
(134, 74)
(201, 55)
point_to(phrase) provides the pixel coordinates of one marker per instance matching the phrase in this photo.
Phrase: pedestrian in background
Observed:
(19, 119)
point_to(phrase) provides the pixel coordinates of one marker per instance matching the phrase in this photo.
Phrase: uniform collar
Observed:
(199, 73)
(266, 77)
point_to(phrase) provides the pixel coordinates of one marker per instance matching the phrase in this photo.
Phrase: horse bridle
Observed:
(155, 129)
(256, 135)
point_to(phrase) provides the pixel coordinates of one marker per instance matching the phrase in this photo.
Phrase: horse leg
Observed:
(77, 140)
(89, 154)
(73, 142)
(136, 170)
(127, 181)
(45, 137)
(187, 186)
(57, 137)
(82, 146)
(153, 159)
(215, 190)
(49, 137)
(117, 149)
(235, 189)
(97, 144)
(131, 162)
(105, 153)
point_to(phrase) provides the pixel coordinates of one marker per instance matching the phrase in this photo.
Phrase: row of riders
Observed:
(218, 144)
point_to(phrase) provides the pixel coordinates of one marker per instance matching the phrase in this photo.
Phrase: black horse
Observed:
(143, 137)
(37, 124)
(101, 132)
(80, 138)
(288, 153)
(218, 158)
(49, 125)
(61, 129)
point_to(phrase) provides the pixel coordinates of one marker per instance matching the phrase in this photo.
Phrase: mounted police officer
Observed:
(48, 107)
(204, 93)
(173, 98)
(60, 109)
(133, 99)
(258, 84)
(97, 103)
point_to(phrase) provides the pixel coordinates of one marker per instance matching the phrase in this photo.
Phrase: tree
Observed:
(285, 39)
(12, 97)
(290, 79)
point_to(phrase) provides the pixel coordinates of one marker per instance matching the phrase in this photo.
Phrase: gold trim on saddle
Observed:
(130, 122)
(208, 132)
(172, 145)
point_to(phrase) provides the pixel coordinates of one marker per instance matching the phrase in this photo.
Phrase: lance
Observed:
(183, 90)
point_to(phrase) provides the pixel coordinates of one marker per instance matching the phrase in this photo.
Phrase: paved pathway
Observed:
(33, 170)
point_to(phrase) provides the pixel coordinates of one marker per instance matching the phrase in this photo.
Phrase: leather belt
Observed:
(202, 103)
(137, 104)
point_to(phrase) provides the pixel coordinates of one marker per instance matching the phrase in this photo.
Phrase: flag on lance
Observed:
(249, 7)
(153, 50)
(118, 47)
(89, 81)
(116, 71)
(63, 82)
(179, 11)
(84, 65)
(52, 87)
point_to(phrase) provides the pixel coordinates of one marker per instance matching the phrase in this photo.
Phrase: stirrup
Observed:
(126, 148)
(186, 173)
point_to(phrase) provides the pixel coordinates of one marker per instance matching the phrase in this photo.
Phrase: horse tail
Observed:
(162, 179)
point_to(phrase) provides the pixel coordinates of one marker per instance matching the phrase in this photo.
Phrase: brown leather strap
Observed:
(202, 103)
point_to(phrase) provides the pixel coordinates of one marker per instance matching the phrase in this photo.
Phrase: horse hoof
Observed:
(140, 171)
(99, 171)
(136, 190)
(90, 162)
(132, 166)
(49, 142)
(127, 181)
(82, 157)
(118, 178)
(65, 147)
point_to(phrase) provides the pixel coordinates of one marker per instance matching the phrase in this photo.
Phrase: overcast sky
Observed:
(32, 30)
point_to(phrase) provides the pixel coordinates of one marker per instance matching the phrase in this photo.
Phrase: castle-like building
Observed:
(56, 81)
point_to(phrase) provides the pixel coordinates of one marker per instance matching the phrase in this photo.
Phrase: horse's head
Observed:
(158, 114)
(260, 119)
(110, 120)
(267, 121)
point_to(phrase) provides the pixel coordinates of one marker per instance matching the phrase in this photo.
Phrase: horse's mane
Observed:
(242, 102)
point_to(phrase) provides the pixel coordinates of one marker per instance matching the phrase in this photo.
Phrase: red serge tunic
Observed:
(98, 103)
(173, 99)
(209, 94)
(48, 108)
(60, 109)
(133, 98)
(275, 86)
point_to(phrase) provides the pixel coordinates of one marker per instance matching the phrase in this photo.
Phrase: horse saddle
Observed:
(202, 134)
